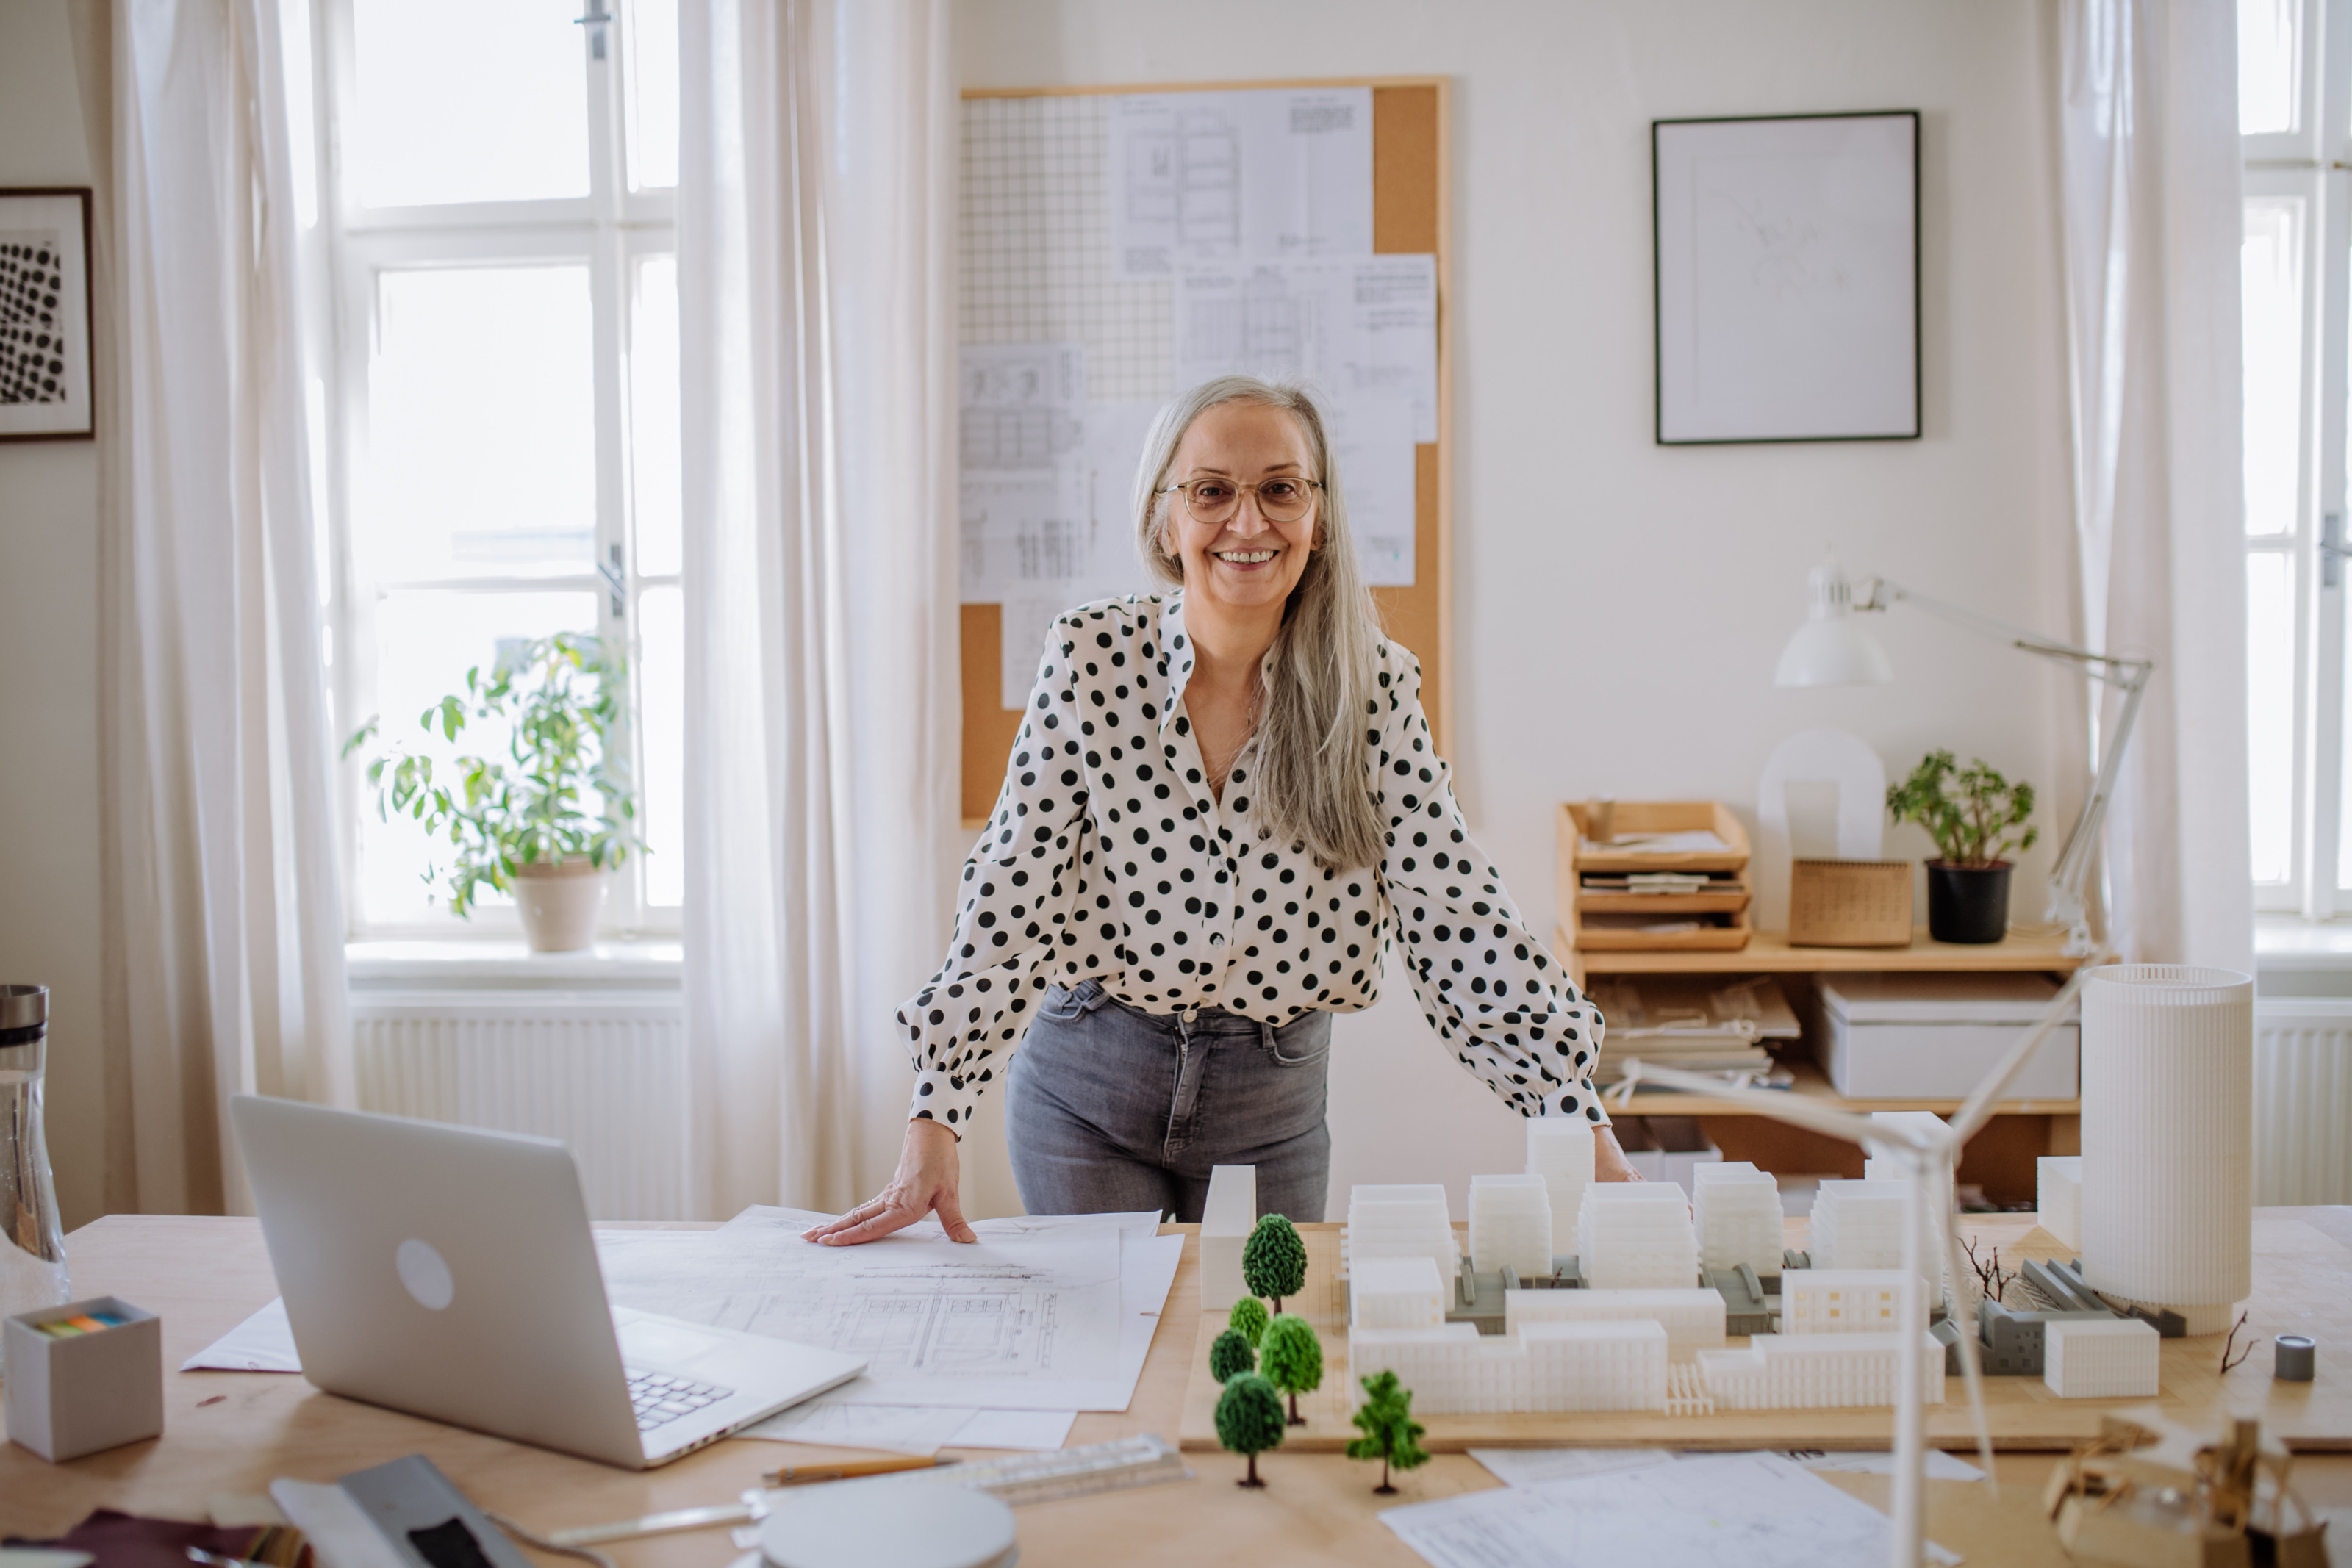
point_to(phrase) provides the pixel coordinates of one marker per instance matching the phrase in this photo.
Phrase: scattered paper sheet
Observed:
(1533, 1467)
(1261, 174)
(1758, 1510)
(922, 1430)
(263, 1343)
(1036, 1431)
(1940, 1467)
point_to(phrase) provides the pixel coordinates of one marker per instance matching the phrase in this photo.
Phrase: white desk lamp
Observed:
(1830, 649)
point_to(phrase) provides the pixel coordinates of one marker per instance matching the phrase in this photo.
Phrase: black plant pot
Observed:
(1967, 902)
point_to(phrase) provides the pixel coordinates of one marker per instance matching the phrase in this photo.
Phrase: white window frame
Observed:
(612, 231)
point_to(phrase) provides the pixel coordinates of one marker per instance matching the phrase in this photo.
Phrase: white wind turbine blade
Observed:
(1979, 1110)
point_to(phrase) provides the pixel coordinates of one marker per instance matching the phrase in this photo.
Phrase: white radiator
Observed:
(605, 1071)
(2302, 1100)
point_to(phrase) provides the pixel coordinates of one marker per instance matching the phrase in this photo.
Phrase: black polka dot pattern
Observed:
(32, 339)
(1108, 858)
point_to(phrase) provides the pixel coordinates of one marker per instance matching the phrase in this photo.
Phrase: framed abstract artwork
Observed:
(45, 359)
(1787, 278)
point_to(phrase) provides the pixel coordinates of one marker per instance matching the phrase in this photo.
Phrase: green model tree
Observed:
(1248, 1319)
(1230, 1355)
(1249, 1421)
(1274, 1261)
(1292, 1358)
(1390, 1434)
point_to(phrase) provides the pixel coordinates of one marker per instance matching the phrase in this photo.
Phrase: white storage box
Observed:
(68, 1397)
(1934, 1036)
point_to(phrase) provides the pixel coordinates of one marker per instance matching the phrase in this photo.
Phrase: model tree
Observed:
(1230, 1355)
(1249, 1421)
(1390, 1434)
(1292, 1359)
(1274, 1261)
(1248, 1319)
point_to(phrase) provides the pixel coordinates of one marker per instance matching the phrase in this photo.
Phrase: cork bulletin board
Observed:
(1037, 267)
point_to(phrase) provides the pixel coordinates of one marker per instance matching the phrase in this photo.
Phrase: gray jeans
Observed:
(1110, 1109)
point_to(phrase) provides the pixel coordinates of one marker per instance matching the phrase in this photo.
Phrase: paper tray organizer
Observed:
(1580, 856)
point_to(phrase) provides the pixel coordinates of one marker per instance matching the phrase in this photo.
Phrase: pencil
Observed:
(799, 1475)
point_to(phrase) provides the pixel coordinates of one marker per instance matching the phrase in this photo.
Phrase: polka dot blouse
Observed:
(1108, 858)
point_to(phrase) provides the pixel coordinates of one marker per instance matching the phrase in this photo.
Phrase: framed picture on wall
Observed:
(1788, 277)
(44, 388)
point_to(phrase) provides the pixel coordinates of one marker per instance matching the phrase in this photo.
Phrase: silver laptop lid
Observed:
(446, 1271)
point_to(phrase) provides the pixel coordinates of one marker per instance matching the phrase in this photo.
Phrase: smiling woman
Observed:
(1220, 797)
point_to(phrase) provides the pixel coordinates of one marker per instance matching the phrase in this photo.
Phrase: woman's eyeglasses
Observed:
(1282, 500)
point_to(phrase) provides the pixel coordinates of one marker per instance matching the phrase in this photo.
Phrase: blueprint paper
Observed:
(1365, 327)
(1758, 1510)
(1533, 1467)
(1940, 1466)
(1263, 174)
(263, 1343)
(920, 1430)
(1038, 1431)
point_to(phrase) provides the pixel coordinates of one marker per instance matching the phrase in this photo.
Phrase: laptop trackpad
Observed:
(663, 1344)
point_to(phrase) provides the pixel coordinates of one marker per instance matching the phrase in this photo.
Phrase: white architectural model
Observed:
(1396, 1293)
(1858, 1225)
(1882, 1169)
(1816, 1372)
(1510, 1225)
(2100, 1358)
(1559, 1150)
(1693, 1319)
(1406, 1221)
(1636, 1235)
(1737, 1209)
(1456, 1371)
(1842, 1301)
(1226, 1220)
(2059, 1197)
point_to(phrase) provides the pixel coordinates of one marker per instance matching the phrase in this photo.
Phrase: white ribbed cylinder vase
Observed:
(2168, 1138)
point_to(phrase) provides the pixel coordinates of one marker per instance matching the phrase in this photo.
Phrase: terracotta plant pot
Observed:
(1967, 902)
(560, 900)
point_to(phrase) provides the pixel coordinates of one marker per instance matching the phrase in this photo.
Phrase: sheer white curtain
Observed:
(223, 922)
(816, 231)
(2150, 181)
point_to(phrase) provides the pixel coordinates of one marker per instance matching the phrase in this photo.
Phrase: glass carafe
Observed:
(32, 1244)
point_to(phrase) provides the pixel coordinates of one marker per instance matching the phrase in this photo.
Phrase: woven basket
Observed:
(1849, 904)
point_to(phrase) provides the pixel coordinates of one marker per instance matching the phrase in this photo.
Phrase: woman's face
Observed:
(1245, 563)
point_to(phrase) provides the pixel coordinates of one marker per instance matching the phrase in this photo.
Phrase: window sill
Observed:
(505, 966)
(2299, 958)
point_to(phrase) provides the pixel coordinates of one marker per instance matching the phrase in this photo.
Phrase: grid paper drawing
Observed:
(1035, 219)
(32, 338)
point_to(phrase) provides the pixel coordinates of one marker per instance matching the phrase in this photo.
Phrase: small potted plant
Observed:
(1978, 821)
(518, 824)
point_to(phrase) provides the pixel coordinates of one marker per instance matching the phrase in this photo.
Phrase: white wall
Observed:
(1618, 604)
(49, 658)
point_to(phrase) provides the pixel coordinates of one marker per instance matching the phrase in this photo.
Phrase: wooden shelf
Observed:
(1769, 953)
(1812, 1085)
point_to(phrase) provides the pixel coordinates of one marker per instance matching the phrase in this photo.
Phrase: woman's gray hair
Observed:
(1313, 746)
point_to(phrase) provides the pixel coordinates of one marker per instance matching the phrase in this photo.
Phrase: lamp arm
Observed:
(2073, 867)
(1885, 593)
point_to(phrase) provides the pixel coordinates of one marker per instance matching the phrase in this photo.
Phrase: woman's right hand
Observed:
(927, 1181)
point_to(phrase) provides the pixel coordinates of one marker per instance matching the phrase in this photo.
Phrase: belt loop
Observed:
(1265, 1033)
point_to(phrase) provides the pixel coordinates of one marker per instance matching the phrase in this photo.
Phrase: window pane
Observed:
(464, 101)
(482, 438)
(2270, 276)
(2269, 64)
(426, 642)
(2269, 711)
(661, 733)
(653, 416)
(650, 29)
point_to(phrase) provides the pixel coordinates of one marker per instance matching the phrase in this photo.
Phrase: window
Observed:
(2296, 125)
(495, 231)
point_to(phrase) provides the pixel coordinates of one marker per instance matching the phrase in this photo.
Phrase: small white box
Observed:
(1227, 1218)
(68, 1397)
(2100, 1358)
(1901, 1036)
(2059, 1197)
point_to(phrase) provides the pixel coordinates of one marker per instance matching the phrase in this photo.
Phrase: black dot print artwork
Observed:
(32, 296)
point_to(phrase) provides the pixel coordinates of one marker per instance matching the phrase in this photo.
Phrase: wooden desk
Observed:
(234, 1432)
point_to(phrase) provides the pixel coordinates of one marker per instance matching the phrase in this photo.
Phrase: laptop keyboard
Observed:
(660, 1397)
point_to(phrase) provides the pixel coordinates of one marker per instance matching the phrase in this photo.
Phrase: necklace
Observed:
(1218, 769)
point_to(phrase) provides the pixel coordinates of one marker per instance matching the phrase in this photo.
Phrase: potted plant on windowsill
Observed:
(1978, 821)
(518, 824)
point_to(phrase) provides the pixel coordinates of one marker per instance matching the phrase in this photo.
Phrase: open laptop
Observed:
(449, 1273)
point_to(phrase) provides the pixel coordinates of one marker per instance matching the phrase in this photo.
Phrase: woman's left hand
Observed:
(1609, 1163)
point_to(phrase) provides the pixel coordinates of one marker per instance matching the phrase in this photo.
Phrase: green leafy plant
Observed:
(1249, 1421)
(1274, 1259)
(1291, 1357)
(1230, 1355)
(1390, 1434)
(1248, 1319)
(1973, 813)
(564, 700)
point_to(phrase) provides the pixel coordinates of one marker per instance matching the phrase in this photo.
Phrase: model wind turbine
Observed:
(1929, 1156)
